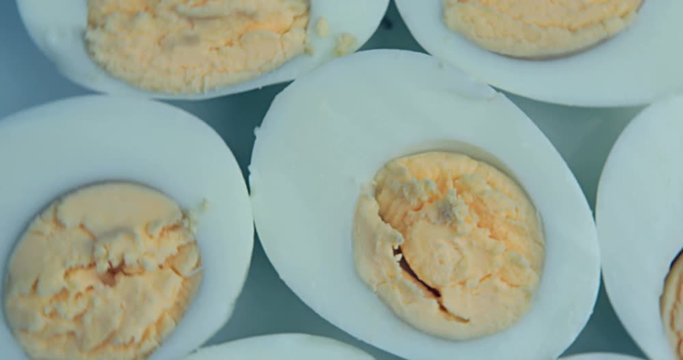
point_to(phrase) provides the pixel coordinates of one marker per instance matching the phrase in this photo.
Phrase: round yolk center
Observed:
(105, 272)
(453, 245)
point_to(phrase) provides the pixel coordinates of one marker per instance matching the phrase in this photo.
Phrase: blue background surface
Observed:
(583, 137)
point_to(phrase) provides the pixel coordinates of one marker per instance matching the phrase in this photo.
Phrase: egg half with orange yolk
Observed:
(127, 231)
(186, 49)
(639, 202)
(422, 212)
(581, 53)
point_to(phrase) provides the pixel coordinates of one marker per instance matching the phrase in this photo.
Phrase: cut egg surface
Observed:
(600, 356)
(635, 62)
(281, 346)
(640, 199)
(172, 191)
(328, 135)
(184, 49)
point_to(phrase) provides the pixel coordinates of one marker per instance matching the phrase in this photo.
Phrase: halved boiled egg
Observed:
(422, 212)
(281, 346)
(127, 231)
(640, 199)
(186, 49)
(590, 53)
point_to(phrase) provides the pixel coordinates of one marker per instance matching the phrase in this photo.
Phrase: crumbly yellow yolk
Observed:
(104, 273)
(191, 46)
(451, 244)
(671, 306)
(539, 28)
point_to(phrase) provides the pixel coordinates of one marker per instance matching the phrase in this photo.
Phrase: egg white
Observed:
(53, 149)
(325, 137)
(281, 346)
(58, 29)
(600, 356)
(638, 212)
(637, 66)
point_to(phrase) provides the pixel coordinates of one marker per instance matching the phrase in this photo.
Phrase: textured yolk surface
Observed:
(538, 28)
(671, 303)
(190, 46)
(103, 273)
(451, 244)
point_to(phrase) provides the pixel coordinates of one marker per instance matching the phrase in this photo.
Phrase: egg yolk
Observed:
(452, 245)
(671, 307)
(105, 272)
(191, 46)
(538, 28)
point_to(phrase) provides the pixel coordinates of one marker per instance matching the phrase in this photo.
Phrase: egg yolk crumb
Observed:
(105, 272)
(191, 46)
(672, 308)
(538, 28)
(452, 245)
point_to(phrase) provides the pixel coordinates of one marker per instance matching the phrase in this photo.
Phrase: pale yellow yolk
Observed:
(103, 273)
(191, 46)
(671, 305)
(451, 244)
(539, 28)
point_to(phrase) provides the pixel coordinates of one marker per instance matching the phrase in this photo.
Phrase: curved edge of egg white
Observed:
(281, 346)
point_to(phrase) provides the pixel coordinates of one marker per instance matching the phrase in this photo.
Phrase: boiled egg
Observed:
(127, 230)
(422, 212)
(281, 346)
(628, 57)
(186, 49)
(640, 199)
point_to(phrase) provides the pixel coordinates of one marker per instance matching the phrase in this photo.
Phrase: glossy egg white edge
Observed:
(635, 67)
(58, 28)
(53, 149)
(600, 356)
(281, 346)
(638, 212)
(325, 137)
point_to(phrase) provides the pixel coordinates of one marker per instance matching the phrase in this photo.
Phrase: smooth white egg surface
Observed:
(58, 28)
(281, 346)
(640, 199)
(53, 149)
(637, 66)
(600, 356)
(325, 137)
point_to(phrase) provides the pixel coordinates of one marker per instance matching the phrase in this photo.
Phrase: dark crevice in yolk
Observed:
(109, 277)
(405, 266)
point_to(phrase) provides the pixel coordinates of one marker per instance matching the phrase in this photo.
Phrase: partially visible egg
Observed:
(600, 356)
(638, 213)
(333, 29)
(316, 154)
(281, 346)
(54, 149)
(637, 66)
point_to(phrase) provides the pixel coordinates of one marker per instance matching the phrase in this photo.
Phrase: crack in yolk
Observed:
(405, 266)
(451, 244)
